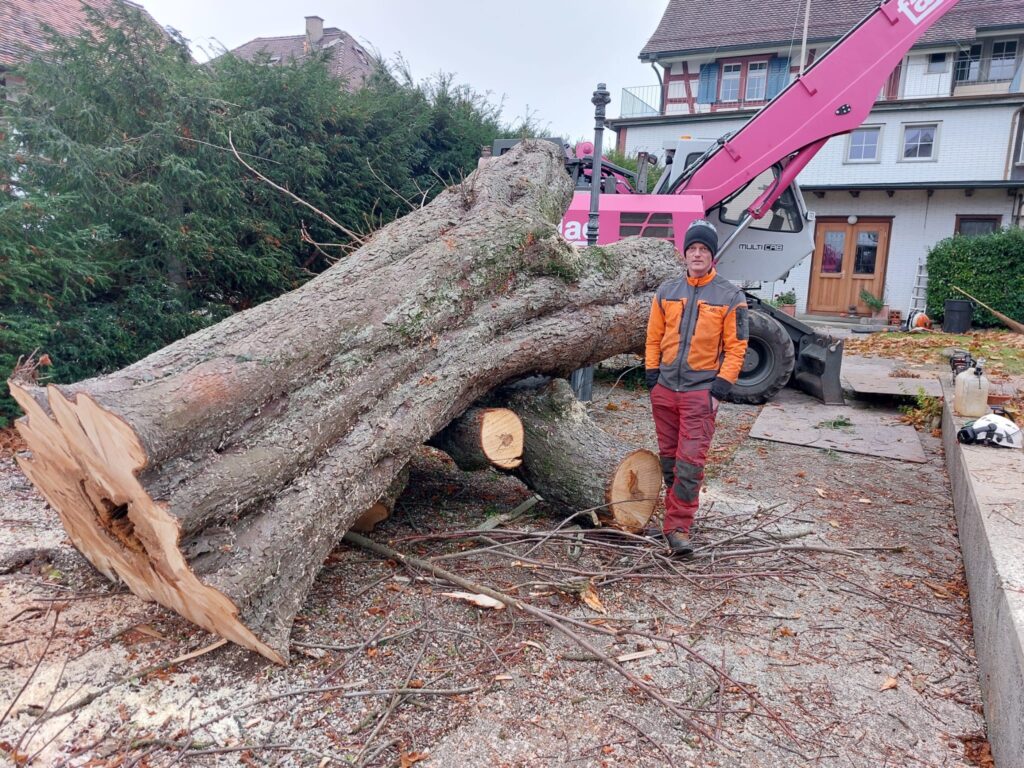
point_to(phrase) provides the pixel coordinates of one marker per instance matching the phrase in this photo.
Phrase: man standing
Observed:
(696, 340)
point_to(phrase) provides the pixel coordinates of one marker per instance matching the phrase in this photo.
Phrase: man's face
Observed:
(697, 260)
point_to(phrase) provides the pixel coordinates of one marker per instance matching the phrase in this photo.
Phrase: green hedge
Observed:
(990, 267)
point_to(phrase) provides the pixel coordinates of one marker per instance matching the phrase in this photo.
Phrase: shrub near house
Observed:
(990, 267)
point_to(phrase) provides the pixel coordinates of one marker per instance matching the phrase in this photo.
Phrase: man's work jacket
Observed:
(697, 331)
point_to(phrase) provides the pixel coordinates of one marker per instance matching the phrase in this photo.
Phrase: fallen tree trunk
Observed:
(215, 475)
(571, 461)
(482, 438)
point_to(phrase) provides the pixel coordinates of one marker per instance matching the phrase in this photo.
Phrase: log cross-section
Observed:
(216, 475)
(482, 438)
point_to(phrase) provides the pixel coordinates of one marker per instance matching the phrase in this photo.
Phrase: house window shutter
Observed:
(778, 75)
(707, 91)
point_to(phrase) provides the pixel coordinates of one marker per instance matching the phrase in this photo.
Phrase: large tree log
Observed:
(571, 461)
(216, 474)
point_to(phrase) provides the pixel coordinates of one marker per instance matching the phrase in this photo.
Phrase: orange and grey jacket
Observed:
(697, 331)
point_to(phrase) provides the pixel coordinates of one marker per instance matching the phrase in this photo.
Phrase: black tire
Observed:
(769, 362)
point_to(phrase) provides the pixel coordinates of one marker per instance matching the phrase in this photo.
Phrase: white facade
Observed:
(944, 141)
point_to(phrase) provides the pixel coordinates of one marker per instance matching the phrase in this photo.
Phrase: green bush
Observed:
(990, 267)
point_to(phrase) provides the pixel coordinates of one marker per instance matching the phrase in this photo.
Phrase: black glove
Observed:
(720, 388)
(651, 377)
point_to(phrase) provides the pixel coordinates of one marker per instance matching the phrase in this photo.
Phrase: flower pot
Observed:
(882, 315)
(788, 309)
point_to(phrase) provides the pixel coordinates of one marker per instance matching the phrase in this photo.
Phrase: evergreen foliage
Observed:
(125, 223)
(990, 267)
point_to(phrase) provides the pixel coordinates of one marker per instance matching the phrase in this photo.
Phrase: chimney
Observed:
(314, 31)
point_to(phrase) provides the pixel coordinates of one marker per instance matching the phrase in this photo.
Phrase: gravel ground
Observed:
(824, 621)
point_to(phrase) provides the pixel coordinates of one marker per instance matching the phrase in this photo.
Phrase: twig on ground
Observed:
(550, 619)
(49, 640)
(91, 697)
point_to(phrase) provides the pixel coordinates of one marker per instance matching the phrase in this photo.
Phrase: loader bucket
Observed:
(818, 361)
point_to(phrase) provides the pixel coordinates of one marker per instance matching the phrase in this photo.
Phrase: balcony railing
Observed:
(656, 100)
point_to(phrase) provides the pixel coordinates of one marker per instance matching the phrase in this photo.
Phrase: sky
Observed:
(544, 57)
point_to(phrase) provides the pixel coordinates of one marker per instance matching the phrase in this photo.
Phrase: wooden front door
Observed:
(848, 258)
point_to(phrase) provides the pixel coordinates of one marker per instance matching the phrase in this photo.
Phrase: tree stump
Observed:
(215, 475)
(571, 461)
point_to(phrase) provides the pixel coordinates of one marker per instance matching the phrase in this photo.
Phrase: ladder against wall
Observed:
(919, 296)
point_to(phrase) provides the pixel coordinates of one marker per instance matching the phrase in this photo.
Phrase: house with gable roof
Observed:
(349, 61)
(22, 33)
(940, 154)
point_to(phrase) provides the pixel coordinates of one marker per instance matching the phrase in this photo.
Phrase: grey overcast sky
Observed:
(545, 56)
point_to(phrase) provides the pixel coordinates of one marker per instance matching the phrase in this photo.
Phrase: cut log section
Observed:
(384, 506)
(571, 461)
(482, 438)
(215, 475)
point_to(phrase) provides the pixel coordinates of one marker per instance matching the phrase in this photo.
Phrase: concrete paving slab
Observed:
(875, 378)
(795, 418)
(988, 497)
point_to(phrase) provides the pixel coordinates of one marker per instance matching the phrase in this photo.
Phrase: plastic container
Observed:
(957, 318)
(970, 393)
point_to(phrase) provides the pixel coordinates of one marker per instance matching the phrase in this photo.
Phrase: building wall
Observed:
(973, 145)
(918, 223)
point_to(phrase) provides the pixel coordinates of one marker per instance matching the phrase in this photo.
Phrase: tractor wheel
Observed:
(769, 362)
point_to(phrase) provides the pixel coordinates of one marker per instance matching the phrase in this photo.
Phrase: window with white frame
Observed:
(730, 82)
(1004, 60)
(920, 141)
(757, 81)
(968, 64)
(863, 144)
(936, 63)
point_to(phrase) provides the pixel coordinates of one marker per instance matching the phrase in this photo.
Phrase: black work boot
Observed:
(679, 543)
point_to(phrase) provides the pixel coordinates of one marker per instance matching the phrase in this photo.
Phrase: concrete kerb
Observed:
(988, 497)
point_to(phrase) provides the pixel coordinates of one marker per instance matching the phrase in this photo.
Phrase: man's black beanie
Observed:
(702, 231)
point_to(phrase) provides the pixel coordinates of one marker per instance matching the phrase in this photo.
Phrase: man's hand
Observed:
(651, 377)
(720, 388)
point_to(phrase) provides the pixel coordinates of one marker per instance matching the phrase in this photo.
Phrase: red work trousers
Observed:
(685, 423)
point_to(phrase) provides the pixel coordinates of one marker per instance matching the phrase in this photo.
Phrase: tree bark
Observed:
(571, 461)
(482, 438)
(215, 475)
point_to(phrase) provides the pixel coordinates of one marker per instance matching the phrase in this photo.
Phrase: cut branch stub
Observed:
(571, 461)
(481, 438)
